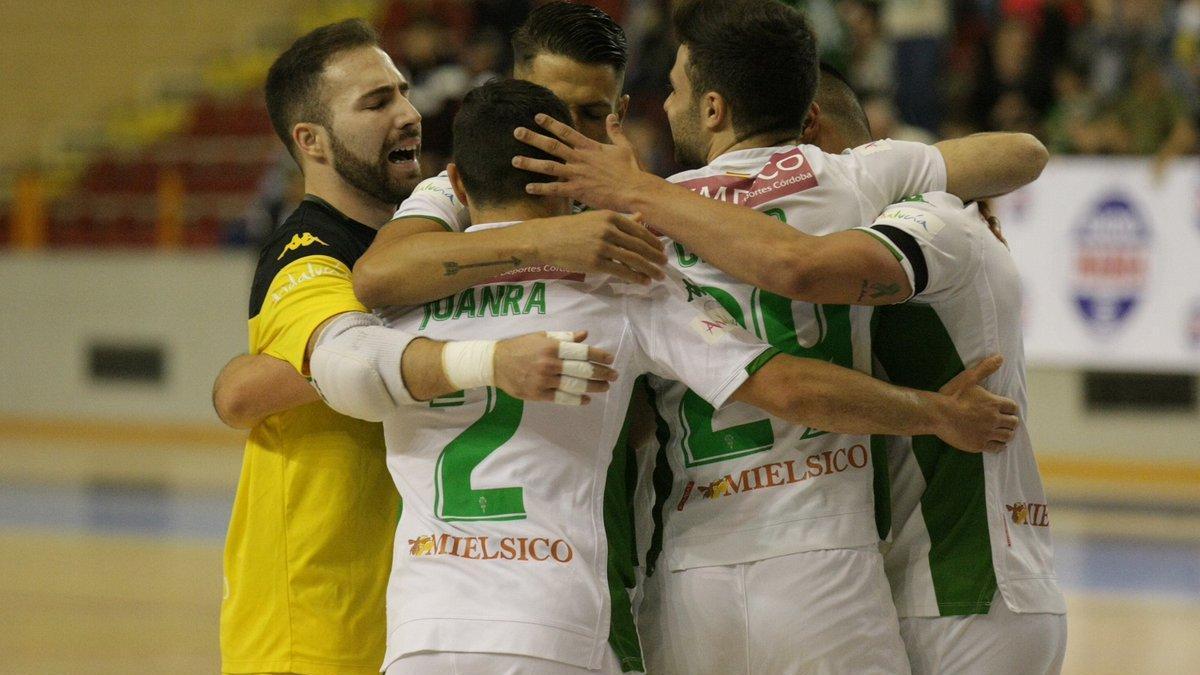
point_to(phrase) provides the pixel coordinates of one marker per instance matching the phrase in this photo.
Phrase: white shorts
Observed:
(813, 612)
(471, 663)
(997, 643)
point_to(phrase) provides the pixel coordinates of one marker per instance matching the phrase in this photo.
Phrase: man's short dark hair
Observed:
(483, 138)
(840, 106)
(579, 32)
(760, 55)
(294, 80)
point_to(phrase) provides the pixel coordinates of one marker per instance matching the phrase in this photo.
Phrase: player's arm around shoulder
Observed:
(413, 260)
(991, 164)
(252, 387)
(821, 395)
(848, 268)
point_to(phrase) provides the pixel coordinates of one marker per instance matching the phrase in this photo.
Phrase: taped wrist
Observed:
(470, 363)
(356, 367)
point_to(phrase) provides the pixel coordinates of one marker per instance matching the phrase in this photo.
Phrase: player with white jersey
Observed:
(970, 562)
(513, 552)
(852, 268)
(579, 53)
(773, 511)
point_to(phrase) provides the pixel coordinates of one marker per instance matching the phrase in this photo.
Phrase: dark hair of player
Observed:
(760, 55)
(294, 81)
(579, 32)
(840, 106)
(484, 145)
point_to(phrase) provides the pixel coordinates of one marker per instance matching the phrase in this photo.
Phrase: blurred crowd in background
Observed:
(1095, 77)
(1102, 77)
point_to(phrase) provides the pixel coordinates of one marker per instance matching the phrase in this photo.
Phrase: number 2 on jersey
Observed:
(771, 319)
(454, 498)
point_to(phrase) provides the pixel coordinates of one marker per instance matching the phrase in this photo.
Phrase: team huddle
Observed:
(763, 416)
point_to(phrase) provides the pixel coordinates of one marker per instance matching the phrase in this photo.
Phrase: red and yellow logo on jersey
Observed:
(300, 241)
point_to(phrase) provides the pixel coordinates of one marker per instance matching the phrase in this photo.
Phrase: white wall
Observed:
(54, 305)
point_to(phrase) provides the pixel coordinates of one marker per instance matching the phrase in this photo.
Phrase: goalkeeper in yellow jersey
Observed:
(309, 545)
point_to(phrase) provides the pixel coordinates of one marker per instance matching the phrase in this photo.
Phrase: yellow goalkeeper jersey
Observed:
(309, 547)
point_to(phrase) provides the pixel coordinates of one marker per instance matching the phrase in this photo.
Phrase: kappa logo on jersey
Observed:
(778, 474)
(1112, 259)
(300, 241)
(518, 549)
(786, 173)
(1033, 514)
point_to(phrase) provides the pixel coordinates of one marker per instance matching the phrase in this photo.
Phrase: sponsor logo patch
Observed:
(508, 549)
(1112, 260)
(310, 272)
(778, 474)
(534, 273)
(785, 173)
(1031, 513)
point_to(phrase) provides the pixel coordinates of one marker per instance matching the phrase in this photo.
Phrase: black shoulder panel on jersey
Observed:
(314, 228)
(912, 250)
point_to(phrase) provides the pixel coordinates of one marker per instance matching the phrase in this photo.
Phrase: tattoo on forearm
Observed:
(877, 290)
(453, 268)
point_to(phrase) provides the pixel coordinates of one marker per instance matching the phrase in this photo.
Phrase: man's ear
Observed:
(623, 107)
(811, 132)
(715, 114)
(311, 141)
(457, 185)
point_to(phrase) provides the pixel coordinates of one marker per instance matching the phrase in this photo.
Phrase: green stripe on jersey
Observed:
(622, 551)
(915, 350)
(663, 480)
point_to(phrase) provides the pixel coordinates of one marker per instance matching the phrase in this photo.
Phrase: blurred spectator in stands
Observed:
(1068, 121)
(479, 61)
(919, 29)
(871, 65)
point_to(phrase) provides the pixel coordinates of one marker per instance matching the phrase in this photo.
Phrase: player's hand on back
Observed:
(600, 175)
(598, 241)
(977, 420)
(556, 366)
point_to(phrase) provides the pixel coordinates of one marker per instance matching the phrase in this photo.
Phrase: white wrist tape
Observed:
(356, 367)
(470, 363)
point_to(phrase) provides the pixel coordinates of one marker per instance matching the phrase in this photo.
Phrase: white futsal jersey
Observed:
(515, 536)
(742, 485)
(964, 525)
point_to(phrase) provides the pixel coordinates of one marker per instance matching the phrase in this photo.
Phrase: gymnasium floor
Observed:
(115, 567)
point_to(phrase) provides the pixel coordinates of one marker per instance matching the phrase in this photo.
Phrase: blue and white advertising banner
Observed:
(1110, 262)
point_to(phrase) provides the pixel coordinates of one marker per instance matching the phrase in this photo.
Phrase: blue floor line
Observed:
(1100, 564)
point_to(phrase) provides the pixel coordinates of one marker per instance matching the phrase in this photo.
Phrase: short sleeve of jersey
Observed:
(434, 199)
(688, 337)
(887, 171)
(300, 282)
(933, 238)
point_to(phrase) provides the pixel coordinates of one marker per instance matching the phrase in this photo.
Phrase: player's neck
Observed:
(727, 142)
(525, 209)
(349, 200)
